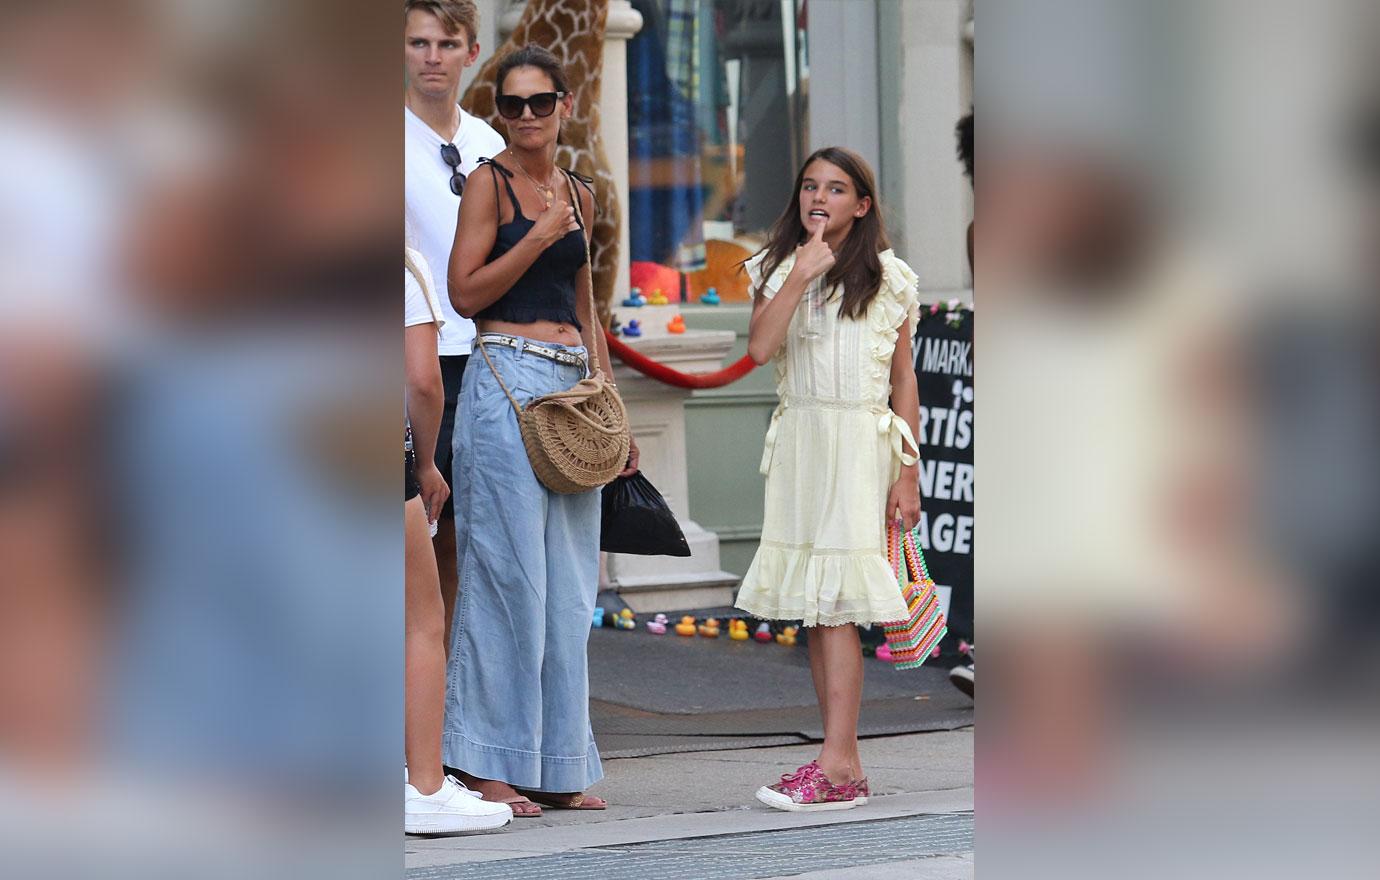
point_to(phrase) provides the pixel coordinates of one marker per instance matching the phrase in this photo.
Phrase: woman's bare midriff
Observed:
(541, 331)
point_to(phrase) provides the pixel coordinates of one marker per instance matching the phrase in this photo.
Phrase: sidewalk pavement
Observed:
(693, 815)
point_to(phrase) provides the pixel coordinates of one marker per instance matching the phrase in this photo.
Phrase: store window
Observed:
(717, 103)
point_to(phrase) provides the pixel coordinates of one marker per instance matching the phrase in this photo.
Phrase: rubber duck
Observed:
(711, 297)
(635, 299)
(676, 324)
(634, 328)
(763, 633)
(615, 326)
(686, 627)
(657, 625)
(598, 617)
(884, 652)
(623, 620)
(710, 628)
(737, 630)
(786, 636)
(658, 298)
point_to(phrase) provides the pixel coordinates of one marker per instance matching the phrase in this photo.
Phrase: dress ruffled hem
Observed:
(820, 587)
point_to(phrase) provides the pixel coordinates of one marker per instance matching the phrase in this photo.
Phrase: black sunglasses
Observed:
(450, 154)
(542, 104)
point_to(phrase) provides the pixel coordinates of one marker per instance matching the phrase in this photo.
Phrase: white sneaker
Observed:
(452, 808)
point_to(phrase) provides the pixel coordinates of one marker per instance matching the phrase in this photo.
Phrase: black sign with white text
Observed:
(943, 350)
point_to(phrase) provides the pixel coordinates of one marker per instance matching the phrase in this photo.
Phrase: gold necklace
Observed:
(548, 193)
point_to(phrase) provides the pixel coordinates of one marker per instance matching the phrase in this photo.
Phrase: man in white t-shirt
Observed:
(444, 146)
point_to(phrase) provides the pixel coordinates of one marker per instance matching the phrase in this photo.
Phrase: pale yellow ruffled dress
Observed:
(833, 450)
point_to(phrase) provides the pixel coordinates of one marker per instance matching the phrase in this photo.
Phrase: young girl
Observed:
(835, 309)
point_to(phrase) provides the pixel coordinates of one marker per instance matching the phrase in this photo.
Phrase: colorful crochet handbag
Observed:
(911, 640)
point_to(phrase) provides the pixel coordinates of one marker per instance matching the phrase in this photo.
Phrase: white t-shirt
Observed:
(416, 293)
(419, 304)
(434, 209)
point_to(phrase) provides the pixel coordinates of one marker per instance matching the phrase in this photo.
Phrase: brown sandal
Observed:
(577, 801)
(517, 800)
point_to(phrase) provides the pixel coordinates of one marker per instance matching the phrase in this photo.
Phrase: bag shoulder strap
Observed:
(501, 384)
(571, 178)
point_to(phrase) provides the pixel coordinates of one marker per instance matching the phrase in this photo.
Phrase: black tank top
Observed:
(546, 291)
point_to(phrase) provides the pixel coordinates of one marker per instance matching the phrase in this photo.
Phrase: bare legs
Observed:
(837, 668)
(425, 677)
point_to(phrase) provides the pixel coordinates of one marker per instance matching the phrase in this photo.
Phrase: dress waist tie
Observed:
(889, 425)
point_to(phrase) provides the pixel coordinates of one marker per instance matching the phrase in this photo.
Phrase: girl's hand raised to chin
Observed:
(555, 220)
(814, 258)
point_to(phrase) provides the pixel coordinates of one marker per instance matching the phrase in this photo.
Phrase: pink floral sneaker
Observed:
(862, 791)
(808, 789)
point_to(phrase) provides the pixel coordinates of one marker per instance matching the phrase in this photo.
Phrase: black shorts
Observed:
(411, 488)
(452, 372)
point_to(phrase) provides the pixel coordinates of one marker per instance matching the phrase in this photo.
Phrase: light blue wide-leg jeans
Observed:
(517, 684)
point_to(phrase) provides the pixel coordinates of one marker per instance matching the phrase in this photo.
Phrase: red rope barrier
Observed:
(662, 373)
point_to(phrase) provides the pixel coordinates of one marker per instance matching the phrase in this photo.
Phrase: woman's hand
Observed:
(634, 457)
(814, 258)
(434, 489)
(555, 220)
(903, 501)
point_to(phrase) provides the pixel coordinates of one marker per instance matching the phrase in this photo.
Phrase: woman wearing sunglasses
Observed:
(517, 702)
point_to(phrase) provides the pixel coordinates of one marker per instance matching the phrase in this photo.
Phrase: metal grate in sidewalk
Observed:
(738, 856)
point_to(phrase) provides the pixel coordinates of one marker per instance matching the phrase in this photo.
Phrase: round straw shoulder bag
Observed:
(577, 439)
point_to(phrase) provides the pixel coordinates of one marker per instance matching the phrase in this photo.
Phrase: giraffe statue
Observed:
(573, 30)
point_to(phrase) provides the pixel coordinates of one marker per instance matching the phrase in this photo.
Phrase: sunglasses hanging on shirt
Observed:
(450, 154)
(543, 104)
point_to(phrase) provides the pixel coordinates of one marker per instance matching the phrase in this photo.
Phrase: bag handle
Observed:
(904, 555)
(610, 432)
(916, 557)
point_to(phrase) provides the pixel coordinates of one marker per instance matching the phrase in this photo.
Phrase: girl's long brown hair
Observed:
(856, 267)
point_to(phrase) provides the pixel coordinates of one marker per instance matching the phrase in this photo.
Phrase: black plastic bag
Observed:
(637, 520)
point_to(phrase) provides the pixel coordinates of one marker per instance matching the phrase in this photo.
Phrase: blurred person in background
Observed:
(1113, 359)
(443, 147)
(191, 551)
(1319, 366)
(963, 134)
(434, 802)
(258, 649)
(1125, 437)
(68, 159)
